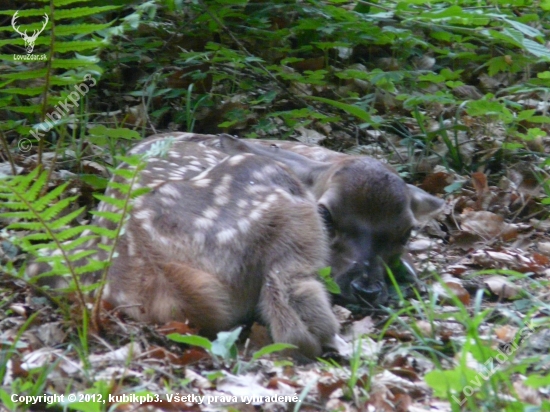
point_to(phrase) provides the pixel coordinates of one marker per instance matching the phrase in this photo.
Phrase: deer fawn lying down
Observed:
(234, 230)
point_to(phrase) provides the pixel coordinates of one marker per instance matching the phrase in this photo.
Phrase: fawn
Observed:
(234, 230)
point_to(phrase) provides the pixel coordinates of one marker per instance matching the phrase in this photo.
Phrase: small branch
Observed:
(8, 153)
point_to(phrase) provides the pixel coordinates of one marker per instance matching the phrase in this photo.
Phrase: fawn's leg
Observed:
(298, 313)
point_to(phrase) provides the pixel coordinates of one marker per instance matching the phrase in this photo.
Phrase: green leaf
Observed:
(537, 381)
(121, 133)
(348, 108)
(6, 400)
(449, 381)
(224, 345)
(95, 181)
(274, 347)
(75, 12)
(193, 340)
(330, 283)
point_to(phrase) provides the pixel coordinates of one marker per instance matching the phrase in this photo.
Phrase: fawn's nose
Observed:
(369, 292)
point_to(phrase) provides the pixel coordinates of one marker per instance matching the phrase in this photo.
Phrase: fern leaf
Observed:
(53, 210)
(76, 46)
(80, 29)
(63, 221)
(112, 216)
(76, 12)
(139, 192)
(50, 196)
(119, 203)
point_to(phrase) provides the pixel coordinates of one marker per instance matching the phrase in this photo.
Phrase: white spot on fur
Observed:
(285, 194)
(243, 203)
(203, 223)
(235, 160)
(144, 214)
(211, 213)
(254, 189)
(146, 224)
(200, 176)
(195, 163)
(226, 235)
(224, 186)
(131, 244)
(169, 190)
(195, 168)
(258, 175)
(256, 214)
(221, 200)
(166, 201)
(199, 238)
(270, 170)
(138, 202)
(106, 290)
(202, 182)
(211, 160)
(164, 240)
(243, 224)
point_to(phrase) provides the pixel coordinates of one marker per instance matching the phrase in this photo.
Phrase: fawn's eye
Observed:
(327, 218)
(405, 237)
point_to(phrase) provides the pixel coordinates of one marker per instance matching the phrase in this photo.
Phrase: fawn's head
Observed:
(368, 212)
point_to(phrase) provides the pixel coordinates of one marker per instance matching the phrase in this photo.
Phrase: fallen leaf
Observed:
(363, 326)
(506, 333)
(176, 327)
(259, 337)
(326, 387)
(457, 269)
(514, 259)
(487, 225)
(192, 355)
(501, 287)
(479, 181)
(123, 354)
(527, 394)
(435, 183)
(454, 285)
(459, 291)
(425, 328)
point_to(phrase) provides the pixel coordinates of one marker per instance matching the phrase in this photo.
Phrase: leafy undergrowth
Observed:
(473, 337)
(454, 96)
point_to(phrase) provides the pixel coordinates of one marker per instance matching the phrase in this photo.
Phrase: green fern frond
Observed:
(112, 216)
(139, 192)
(119, 203)
(80, 29)
(77, 12)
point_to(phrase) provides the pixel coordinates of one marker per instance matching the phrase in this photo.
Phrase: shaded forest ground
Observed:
(455, 97)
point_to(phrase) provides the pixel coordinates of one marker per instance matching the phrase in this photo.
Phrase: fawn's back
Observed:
(236, 230)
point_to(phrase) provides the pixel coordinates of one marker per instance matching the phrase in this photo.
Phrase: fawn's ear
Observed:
(306, 169)
(423, 205)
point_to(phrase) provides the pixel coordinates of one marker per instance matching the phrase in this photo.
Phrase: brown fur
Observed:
(231, 231)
